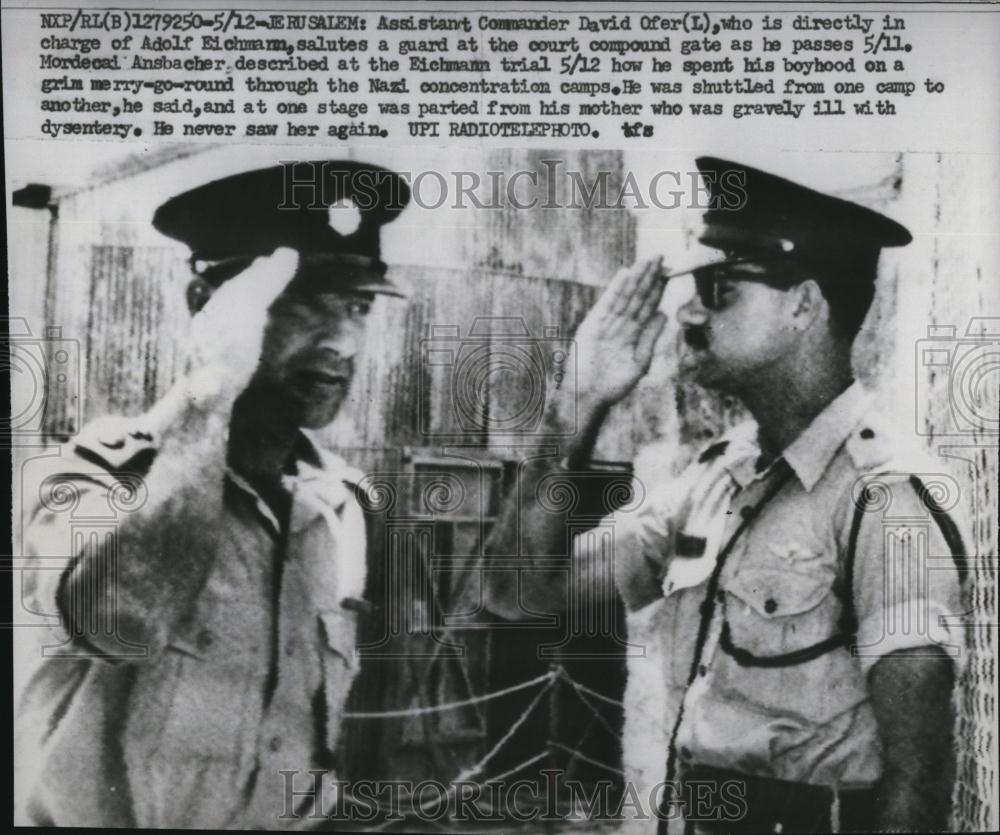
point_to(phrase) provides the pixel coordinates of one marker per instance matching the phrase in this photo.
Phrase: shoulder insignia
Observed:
(870, 445)
(116, 444)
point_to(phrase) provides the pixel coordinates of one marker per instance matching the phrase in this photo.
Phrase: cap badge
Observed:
(344, 217)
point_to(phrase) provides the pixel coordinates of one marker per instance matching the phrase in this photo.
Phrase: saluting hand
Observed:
(225, 341)
(615, 341)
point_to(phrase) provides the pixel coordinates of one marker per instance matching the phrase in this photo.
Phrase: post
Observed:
(553, 737)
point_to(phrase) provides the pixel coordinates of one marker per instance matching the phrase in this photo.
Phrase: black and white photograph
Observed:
(501, 418)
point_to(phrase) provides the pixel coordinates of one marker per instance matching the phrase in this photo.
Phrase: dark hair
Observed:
(849, 289)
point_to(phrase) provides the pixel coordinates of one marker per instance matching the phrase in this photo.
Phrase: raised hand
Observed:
(225, 341)
(615, 341)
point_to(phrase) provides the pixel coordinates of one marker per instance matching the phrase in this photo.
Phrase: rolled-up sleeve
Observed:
(907, 575)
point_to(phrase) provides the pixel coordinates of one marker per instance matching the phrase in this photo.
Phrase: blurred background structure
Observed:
(451, 383)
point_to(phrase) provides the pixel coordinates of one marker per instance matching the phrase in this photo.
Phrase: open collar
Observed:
(811, 452)
(323, 482)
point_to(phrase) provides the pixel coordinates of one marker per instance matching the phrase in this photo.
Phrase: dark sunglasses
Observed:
(708, 279)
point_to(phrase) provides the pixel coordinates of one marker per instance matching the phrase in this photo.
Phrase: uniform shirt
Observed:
(782, 588)
(253, 680)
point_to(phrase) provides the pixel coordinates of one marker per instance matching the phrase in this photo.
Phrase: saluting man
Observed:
(211, 645)
(804, 657)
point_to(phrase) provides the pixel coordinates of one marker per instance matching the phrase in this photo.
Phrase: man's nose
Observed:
(692, 313)
(343, 342)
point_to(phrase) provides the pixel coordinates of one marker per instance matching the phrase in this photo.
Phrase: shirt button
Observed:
(290, 650)
(867, 434)
(720, 596)
(770, 605)
(746, 511)
(205, 639)
(275, 743)
(702, 670)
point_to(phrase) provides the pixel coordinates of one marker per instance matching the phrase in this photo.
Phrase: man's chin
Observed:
(697, 367)
(317, 413)
(693, 365)
(318, 418)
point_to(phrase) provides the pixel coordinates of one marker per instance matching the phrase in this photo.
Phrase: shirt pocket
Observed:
(184, 706)
(210, 706)
(773, 611)
(337, 633)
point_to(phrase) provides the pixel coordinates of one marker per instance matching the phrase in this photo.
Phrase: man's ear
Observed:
(199, 292)
(809, 303)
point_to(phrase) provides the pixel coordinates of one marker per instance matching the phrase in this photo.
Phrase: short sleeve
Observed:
(73, 505)
(908, 558)
(51, 540)
(629, 548)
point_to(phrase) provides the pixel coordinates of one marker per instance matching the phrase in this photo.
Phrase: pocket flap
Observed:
(339, 629)
(776, 593)
(339, 668)
(187, 647)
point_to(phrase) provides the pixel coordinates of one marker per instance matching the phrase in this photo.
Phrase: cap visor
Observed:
(339, 274)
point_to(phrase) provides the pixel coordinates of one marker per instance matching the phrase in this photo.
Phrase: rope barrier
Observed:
(450, 791)
(578, 689)
(417, 711)
(586, 759)
(466, 775)
(473, 770)
(595, 694)
(541, 755)
(581, 689)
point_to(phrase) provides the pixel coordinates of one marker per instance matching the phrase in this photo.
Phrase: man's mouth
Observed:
(696, 338)
(321, 377)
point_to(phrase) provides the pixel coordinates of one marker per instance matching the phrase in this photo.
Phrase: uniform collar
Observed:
(322, 478)
(741, 453)
(322, 464)
(812, 451)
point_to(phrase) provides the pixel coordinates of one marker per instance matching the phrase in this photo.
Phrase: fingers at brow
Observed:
(648, 288)
(623, 294)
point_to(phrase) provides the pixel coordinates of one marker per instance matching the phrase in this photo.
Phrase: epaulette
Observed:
(117, 445)
(875, 451)
(871, 446)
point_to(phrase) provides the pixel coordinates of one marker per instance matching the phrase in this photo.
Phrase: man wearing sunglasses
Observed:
(781, 585)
